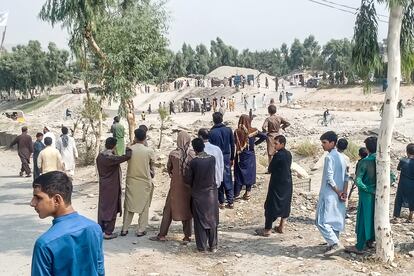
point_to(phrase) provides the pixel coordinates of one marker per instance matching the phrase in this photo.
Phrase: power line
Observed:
(349, 7)
(354, 12)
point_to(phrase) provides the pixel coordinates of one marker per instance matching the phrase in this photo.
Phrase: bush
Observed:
(307, 149)
(352, 151)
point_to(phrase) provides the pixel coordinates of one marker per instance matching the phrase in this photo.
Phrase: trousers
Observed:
(107, 226)
(167, 219)
(142, 219)
(330, 235)
(204, 236)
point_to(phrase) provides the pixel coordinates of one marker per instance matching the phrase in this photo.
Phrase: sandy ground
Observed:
(298, 251)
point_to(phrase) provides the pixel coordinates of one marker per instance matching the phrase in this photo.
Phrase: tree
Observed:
(163, 113)
(311, 52)
(134, 43)
(365, 52)
(296, 55)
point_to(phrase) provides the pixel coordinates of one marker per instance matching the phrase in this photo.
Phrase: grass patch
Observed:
(352, 151)
(37, 103)
(307, 149)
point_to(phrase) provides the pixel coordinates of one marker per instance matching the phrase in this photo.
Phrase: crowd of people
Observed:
(207, 173)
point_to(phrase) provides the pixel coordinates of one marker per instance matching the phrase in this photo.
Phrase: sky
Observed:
(256, 25)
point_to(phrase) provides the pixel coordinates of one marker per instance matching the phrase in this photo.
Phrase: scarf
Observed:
(65, 140)
(243, 133)
(183, 147)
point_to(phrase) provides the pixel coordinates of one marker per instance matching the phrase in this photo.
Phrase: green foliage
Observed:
(307, 149)
(135, 46)
(352, 151)
(91, 109)
(407, 41)
(336, 56)
(28, 68)
(366, 53)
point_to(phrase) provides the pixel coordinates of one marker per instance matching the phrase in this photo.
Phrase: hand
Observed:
(343, 196)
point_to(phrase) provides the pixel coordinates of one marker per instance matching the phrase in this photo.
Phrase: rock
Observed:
(300, 172)
(319, 164)
(161, 157)
(153, 274)
(373, 273)
(374, 108)
(90, 196)
(224, 261)
(411, 253)
(238, 255)
(93, 207)
(394, 265)
(351, 240)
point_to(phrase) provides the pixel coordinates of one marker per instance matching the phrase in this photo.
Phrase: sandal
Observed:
(110, 237)
(354, 250)
(230, 206)
(158, 238)
(141, 234)
(222, 206)
(123, 234)
(278, 230)
(246, 197)
(261, 232)
(186, 240)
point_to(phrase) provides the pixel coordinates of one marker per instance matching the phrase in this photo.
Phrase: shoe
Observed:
(141, 234)
(230, 206)
(123, 234)
(335, 249)
(222, 206)
(21, 174)
(110, 237)
(213, 249)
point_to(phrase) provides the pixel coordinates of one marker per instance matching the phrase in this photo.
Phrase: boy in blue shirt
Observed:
(73, 245)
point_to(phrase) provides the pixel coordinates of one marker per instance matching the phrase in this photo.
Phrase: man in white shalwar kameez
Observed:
(67, 147)
(330, 213)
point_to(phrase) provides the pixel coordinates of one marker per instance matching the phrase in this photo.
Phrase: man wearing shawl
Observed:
(110, 177)
(222, 136)
(47, 132)
(200, 175)
(177, 205)
(245, 160)
(67, 147)
(272, 126)
(118, 132)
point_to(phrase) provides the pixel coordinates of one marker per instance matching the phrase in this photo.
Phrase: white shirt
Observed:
(216, 152)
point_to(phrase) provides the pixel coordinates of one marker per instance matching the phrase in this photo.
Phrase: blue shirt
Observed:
(72, 246)
(222, 137)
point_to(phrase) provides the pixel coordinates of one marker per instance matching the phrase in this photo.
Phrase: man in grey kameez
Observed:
(330, 214)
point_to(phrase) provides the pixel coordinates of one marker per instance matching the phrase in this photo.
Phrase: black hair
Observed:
(203, 133)
(140, 134)
(342, 144)
(271, 109)
(48, 141)
(330, 136)
(371, 144)
(116, 119)
(24, 129)
(281, 139)
(110, 142)
(143, 127)
(410, 149)
(198, 145)
(39, 134)
(217, 118)
(65, 130)
(55, 183)
(363, 152)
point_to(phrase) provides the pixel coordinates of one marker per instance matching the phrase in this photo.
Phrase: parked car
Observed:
(15, 115)
(312, 83)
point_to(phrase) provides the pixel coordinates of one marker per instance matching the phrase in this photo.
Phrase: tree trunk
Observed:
(92, 43)
(383, 236)
(161, 132)
(130, 116)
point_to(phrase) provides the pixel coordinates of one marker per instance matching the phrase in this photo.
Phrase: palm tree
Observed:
(400, 10)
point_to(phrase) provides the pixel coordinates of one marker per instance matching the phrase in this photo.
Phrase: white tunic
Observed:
(216, 152)
(68, 153)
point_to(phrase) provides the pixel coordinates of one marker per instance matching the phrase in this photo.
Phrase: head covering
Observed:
(243, 132)
(184, 149)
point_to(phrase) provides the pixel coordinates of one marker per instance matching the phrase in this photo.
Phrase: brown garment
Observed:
(243, 132)
(24, 150)
(272, 126)
(109, 170)
(201, 176)
(167, 219)
(180, 192)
